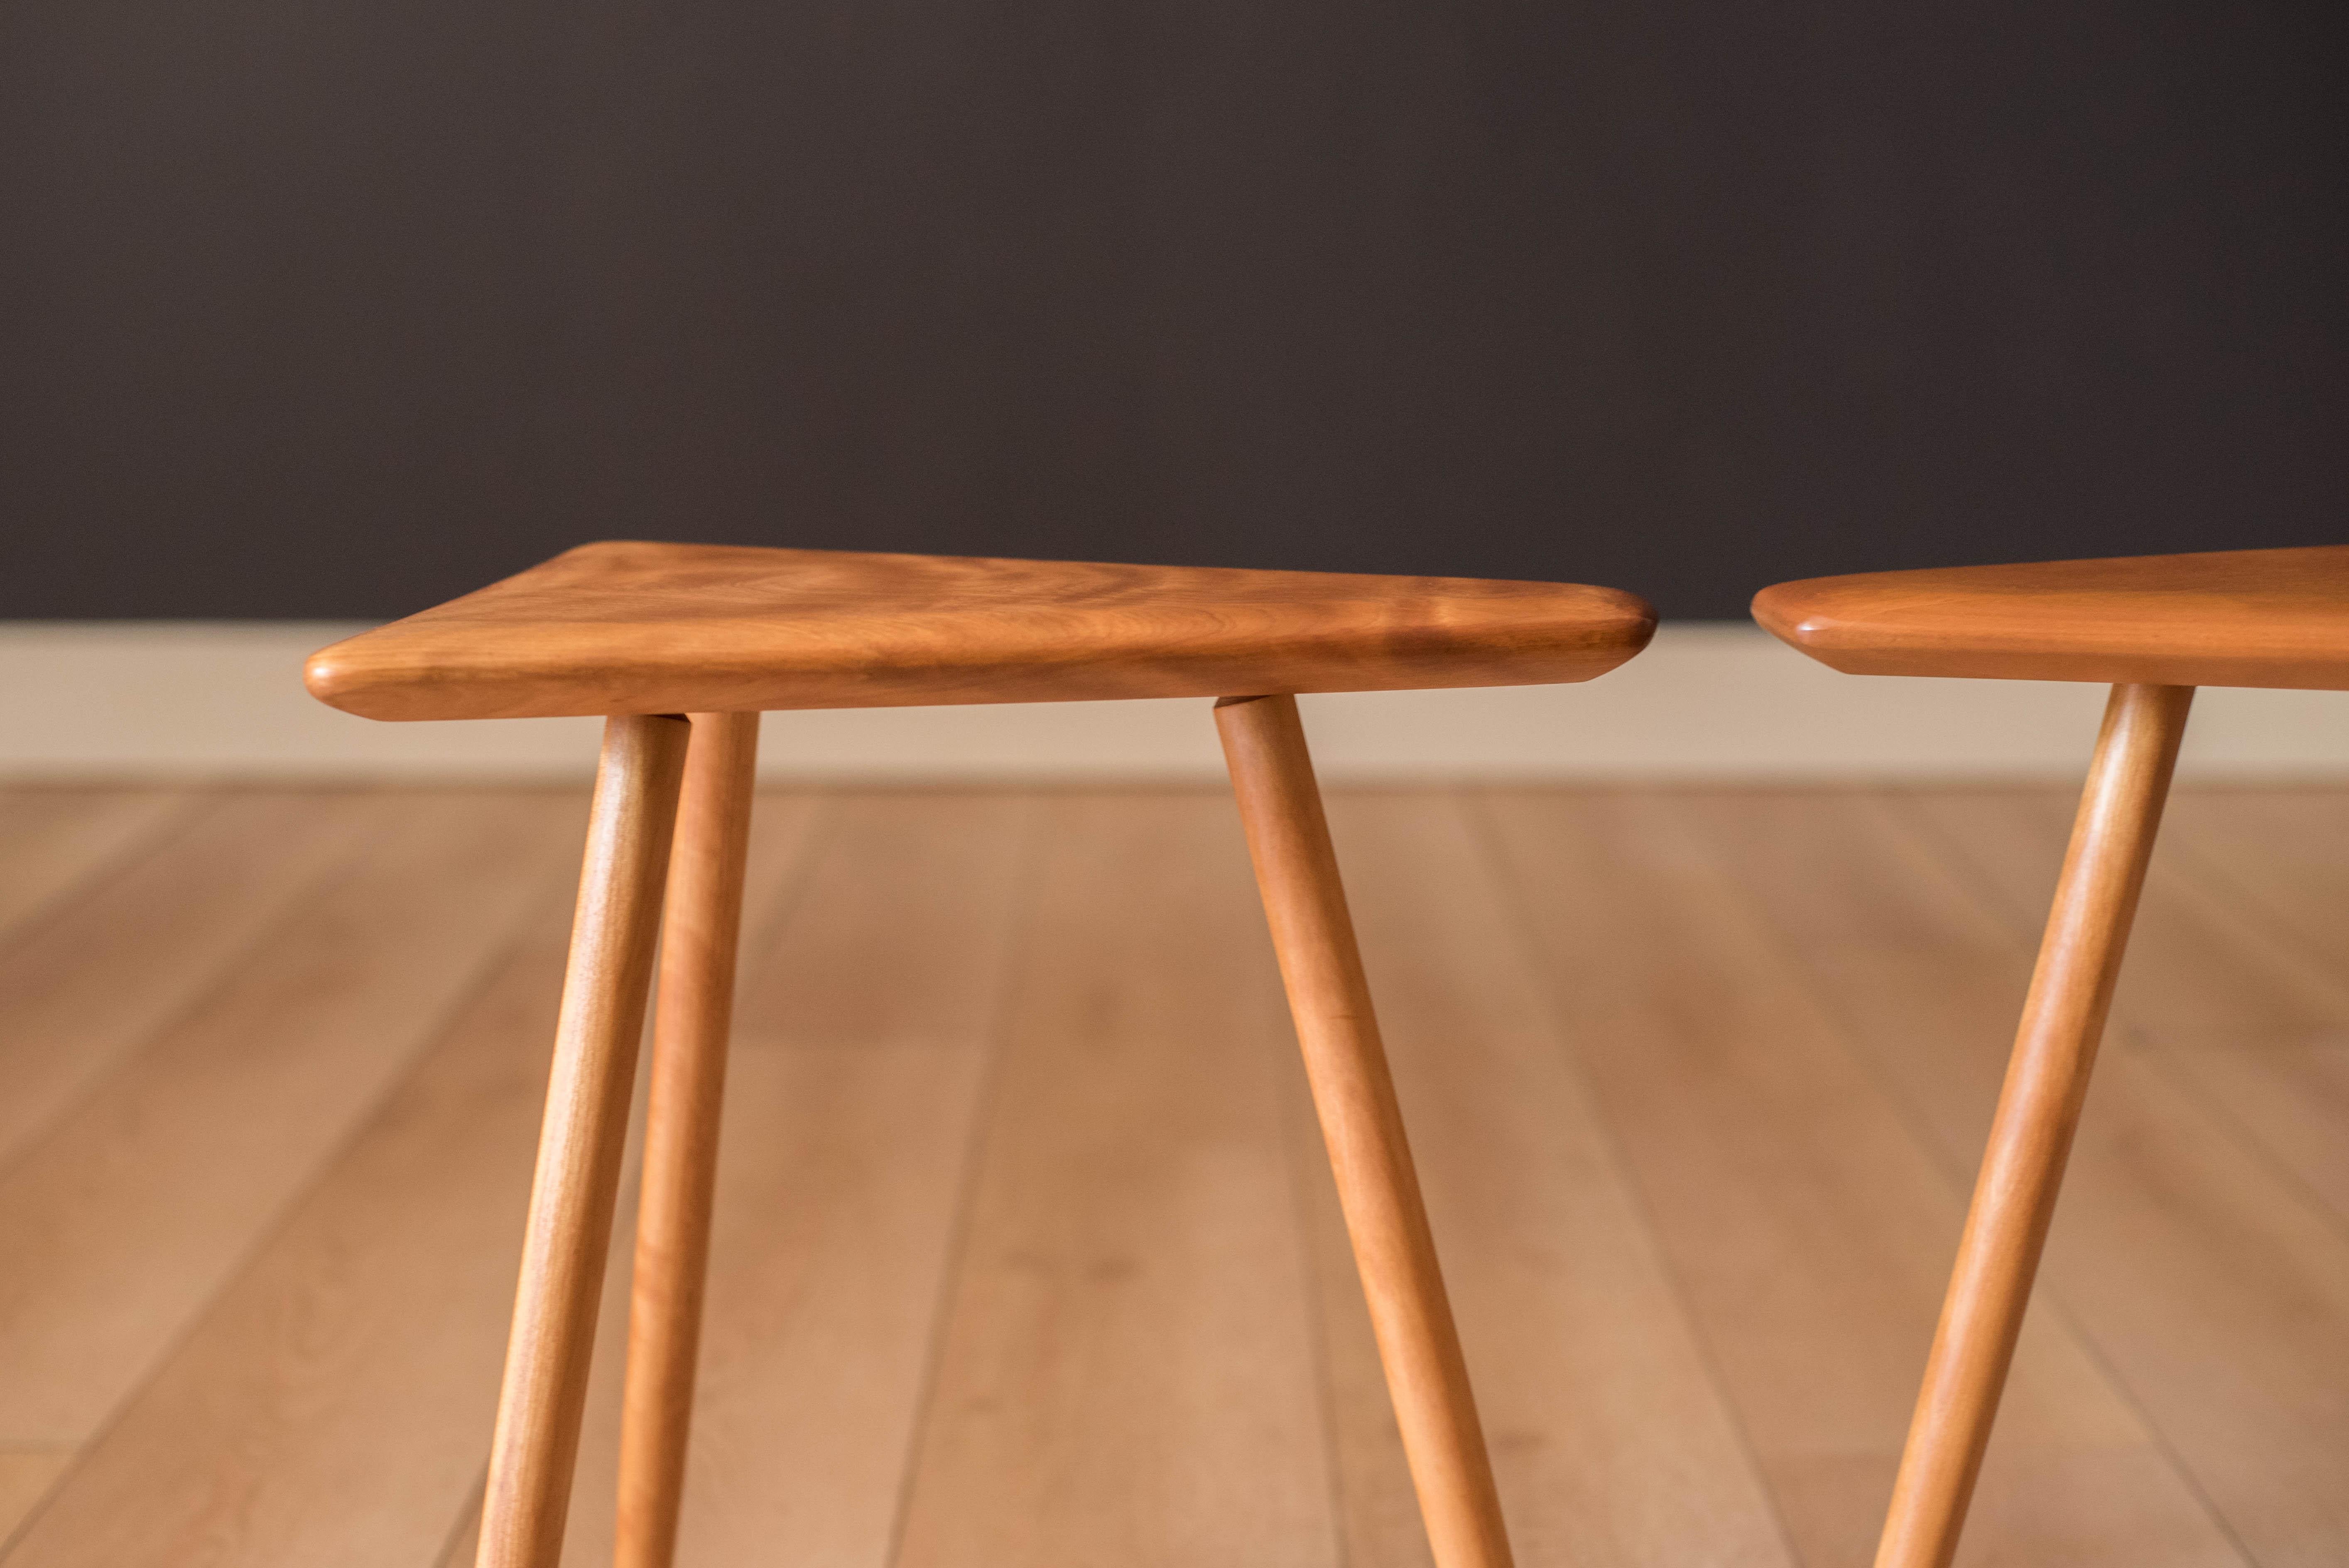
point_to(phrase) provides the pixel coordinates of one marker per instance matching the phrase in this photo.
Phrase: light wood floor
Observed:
(1025, 1254)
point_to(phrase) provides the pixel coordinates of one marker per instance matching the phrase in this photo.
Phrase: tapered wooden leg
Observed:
(604, 988)
(695, 1006)
(2046, 1080)
(1314, 936)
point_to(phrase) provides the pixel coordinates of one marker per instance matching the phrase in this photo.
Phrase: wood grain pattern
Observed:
(2289, 1100)
(56, 839)
(882, 947)
(700, 930)
(2238, 985)
(1126, 1375)
(142, 1200)
(89, 986)
(852, 1103)
(1129, 1374)
(1613, 1442)
(1877, 917)
(2211, 1279)
(2207, 959)
(27, 1474)
(333, 1403)
(782, 832)
(1807, 1223)
(1329, 1000)
(569, 1235)
(2038, 1111)
(2276, 864)
(632, 627)
(2226, 618)
(2281, 851)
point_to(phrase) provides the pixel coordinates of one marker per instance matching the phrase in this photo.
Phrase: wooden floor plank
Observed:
(866, 1023)
(54, 841)
(334, 1405)
(2284, 851)
(1127, 1374)
(1611, 1443)
(2291, 1100)
(123, 1220)
(2277, 861)
(2192, 960)
(886, 943)
(1807, 1217)
(1696, 1080)
(2215, 1283)
(27, 1474)
(92, 985)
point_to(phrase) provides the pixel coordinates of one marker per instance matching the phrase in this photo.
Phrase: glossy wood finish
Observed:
(2038, 1112)
(641, 629)
(1378, 1189)
(2157, 626)
(2239, 618)
(604, 992)
(633, 627)
(700, 932)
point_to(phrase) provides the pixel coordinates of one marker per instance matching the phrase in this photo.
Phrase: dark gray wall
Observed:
(323, 309)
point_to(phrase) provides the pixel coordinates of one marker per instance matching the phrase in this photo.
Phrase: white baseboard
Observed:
(180, 699)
